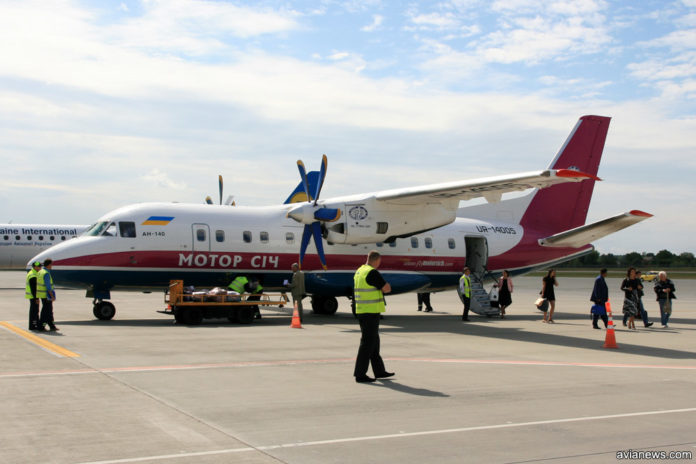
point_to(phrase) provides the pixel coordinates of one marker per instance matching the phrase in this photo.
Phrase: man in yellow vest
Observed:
(31, 295)
(45, 290)
(464, 291)
(368, 293)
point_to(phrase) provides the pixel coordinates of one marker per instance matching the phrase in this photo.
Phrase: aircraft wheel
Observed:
(245, 315)
(324, 305)
(104, 310)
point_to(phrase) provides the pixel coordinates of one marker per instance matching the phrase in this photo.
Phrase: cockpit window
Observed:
(96, 229)
(127, 229)
(110, 231)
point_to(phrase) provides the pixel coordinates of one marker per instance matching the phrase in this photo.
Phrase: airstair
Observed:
(480, 302)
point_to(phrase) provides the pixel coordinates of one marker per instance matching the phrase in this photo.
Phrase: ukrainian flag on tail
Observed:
(158, 221)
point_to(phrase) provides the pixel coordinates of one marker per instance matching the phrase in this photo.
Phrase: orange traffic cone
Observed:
(296, 324)
(610, 340)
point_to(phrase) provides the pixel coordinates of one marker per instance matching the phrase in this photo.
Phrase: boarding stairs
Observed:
(480, 302)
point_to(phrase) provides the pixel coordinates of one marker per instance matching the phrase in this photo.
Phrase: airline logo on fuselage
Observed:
(215, 260)
(158, 220)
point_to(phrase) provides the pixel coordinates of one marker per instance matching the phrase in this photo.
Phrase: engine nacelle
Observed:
(372, 221)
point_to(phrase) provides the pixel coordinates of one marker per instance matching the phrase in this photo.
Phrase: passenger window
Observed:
(200, 235)
(127, 229)
(110, 231)
(16, 237)
(289, 238)
(428, 242)
(392, 244)
(246, 236)
(380, 245)
(264, 237)
(41, 237)
(6, 237)
(52, 237)
(451, 243)
(220, 235)
(382, 227)
(63, 237)
(28, 237)
(414, 242)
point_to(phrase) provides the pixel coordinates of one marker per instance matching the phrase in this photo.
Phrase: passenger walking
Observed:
(31, 295)
(641, 307)
(600, 296)
(504, 293)
(548, 292)
(630, 304)
(424, 299)
(369, 289)
(664, 288)
(46, 291)
(464, 291)
(297, 288)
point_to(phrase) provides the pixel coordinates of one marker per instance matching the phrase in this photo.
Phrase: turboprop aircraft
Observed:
(423, 235)
(19, 242)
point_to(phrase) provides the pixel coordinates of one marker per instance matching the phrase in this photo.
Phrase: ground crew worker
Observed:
(30, 294)
(239, 284)
(369, 290)
(242, 285)
(46, 291)
(464, 291)
(256, 289)
(297, 288)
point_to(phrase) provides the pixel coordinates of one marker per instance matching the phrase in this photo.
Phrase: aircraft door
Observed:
(201, 237)
(476, 254)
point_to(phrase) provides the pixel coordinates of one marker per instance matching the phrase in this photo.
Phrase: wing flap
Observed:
(581, 236)
(490, 188)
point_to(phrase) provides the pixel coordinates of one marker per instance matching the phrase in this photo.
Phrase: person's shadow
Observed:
(386, 383)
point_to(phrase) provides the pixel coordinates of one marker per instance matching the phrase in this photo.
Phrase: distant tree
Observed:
(632, 259)
(685, 260)
(590, 259)
(608, 260)
(664, 258)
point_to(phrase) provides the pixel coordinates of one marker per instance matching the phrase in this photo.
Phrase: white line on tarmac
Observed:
(187, 367)
(396, 435)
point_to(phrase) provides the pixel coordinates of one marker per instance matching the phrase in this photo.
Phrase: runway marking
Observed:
(397, 435)
(240, 364)
(45, 344)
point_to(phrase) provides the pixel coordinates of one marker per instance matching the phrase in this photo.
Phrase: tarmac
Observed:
(141, 389)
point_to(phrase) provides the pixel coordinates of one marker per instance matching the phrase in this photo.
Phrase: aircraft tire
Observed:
(104, 310)
(324, 305)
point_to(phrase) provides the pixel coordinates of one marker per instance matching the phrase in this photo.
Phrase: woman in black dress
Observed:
(548, 292)
(504, 293)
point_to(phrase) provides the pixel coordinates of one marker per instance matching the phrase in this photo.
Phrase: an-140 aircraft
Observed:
(423, 235)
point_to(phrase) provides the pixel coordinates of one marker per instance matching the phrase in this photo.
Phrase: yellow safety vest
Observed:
(467, 285)
(27, 292)
(368, 299)
(41, 290)
(238, 284)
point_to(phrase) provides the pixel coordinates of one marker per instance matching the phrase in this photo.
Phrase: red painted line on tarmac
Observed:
(183, 367)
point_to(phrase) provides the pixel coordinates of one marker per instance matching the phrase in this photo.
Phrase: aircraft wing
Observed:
(490, 188)
(581, 236)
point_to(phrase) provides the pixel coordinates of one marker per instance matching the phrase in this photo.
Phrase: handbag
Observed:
(667, 307)
(542, 304)
(598, 309)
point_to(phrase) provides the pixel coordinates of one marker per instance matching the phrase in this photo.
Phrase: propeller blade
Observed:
(230, 200)
(303, 175)
(327, 214)
(220, 185)
(322, 175)
(316, 231)
(306, 235)
(208, 200)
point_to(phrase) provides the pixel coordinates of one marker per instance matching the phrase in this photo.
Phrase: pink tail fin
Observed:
(565, 206)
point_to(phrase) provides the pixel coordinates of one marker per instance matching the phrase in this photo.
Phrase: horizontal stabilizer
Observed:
(583, 235)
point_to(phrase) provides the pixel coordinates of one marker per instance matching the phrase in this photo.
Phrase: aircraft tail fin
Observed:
(564, 206)
(298, 195)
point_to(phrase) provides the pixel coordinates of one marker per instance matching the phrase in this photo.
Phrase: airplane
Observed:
(424, 237)
(20, 242)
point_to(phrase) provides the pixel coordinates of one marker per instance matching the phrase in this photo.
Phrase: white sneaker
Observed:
(664, 326)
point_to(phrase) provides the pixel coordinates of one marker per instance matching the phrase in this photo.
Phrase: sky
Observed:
(104, 104)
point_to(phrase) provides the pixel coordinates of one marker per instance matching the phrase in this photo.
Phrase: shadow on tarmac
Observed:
(396, 386)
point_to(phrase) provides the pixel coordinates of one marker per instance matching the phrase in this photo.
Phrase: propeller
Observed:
(228, 202)
(311, 214)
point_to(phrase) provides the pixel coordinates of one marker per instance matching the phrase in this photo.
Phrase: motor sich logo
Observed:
(358, 213)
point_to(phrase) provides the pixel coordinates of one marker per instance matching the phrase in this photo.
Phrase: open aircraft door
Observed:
(201, 237)
(476, 254)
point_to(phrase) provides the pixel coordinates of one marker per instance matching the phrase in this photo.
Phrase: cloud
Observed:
(377, 21)
(161, 179)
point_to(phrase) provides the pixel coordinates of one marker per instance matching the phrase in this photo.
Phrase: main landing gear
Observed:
(324, 304)
(103, 310)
